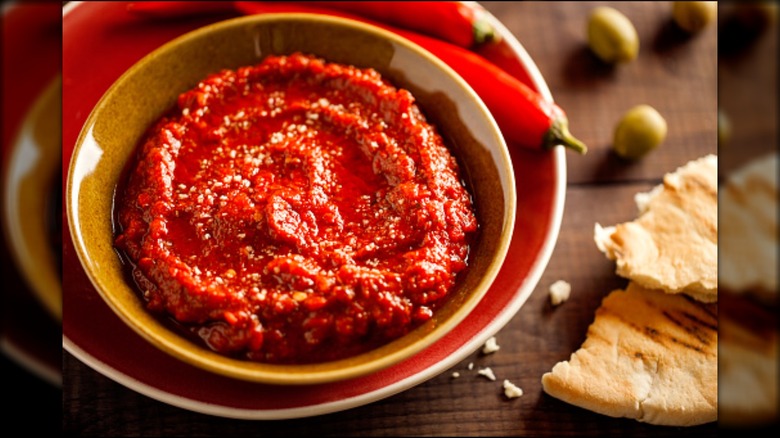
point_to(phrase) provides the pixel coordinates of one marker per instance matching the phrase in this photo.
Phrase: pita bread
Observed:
(649, 356)
(673, 244)
(748, 327)
(748, 233)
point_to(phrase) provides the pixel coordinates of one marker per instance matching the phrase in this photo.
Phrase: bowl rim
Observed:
(306, 373)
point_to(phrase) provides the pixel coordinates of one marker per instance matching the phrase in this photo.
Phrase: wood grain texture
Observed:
(677, 75)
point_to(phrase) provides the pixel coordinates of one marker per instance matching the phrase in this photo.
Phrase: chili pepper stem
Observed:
(559, 134)
(484, 32)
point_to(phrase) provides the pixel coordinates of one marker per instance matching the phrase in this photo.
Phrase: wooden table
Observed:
(674, 73)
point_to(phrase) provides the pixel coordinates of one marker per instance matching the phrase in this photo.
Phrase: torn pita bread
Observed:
(648, 356)
(748, 232)
(673, 244)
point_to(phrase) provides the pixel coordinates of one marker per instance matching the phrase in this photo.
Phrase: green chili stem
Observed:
(559, 134)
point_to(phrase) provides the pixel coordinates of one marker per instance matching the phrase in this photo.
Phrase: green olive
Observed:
(694, 16)
(640, 130)
(612, 36)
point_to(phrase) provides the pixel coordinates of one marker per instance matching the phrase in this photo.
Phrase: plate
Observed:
(100, 42)
(29, 155)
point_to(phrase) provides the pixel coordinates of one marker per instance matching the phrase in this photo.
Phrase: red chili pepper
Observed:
(525, 118)
(455, 22)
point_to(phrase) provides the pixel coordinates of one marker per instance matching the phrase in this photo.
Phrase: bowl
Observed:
(150, 88)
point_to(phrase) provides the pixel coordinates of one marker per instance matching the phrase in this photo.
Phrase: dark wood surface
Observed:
(677, 75)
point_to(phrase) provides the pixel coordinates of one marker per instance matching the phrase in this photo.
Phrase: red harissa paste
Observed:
(295, 211)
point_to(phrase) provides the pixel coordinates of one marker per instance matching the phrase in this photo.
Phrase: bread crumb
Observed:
(559, 292)
(488, 373)
(455, 375)
(511, 390)
(471, 366)
(490, 346)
